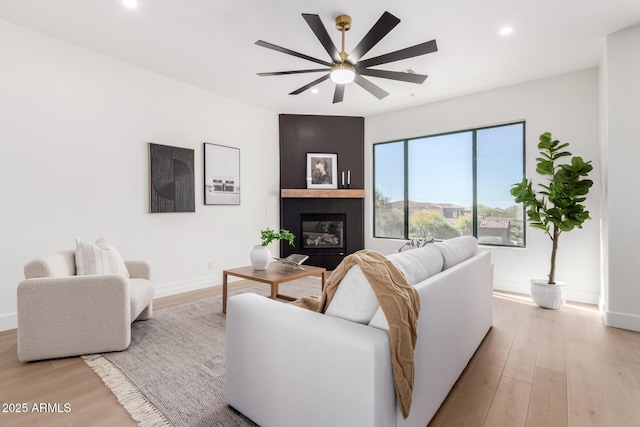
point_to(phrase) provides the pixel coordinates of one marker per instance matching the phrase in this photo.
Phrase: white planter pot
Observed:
(260, 257)
(546, 295)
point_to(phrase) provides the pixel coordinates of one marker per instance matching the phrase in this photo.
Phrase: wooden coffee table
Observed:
(273, 276)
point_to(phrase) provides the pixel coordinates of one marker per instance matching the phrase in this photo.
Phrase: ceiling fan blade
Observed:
(386, 23)
(320, 31)
(409, 52)
(394, 75)
(310, 85)
(373, 89)
(338, 95)
(292, 52)
(282, 73)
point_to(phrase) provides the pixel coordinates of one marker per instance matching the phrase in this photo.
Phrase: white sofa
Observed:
(61, 314)
(287, 366)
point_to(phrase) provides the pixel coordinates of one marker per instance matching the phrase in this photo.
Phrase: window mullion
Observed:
(474, 176)
(406, 189)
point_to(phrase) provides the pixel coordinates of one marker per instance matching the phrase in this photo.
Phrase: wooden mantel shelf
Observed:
(317, 193)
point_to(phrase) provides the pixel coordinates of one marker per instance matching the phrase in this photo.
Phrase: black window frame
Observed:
(474, 131)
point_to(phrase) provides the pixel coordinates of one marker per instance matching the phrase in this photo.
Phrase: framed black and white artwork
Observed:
(171, 179)
(322, 170)
(221, 175)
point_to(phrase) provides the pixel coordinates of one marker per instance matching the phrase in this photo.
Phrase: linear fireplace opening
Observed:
(323, 233)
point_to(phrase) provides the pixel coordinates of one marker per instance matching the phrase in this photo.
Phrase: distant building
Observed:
(498, 230)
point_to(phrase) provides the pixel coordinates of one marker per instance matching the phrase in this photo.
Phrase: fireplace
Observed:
(323, 233)
(326, 229)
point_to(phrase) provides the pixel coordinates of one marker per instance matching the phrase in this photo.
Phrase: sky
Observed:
(440, 167)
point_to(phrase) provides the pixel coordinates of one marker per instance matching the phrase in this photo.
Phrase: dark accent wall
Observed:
(302, 134)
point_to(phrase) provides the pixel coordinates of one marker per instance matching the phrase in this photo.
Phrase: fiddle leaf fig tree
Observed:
(558, 206)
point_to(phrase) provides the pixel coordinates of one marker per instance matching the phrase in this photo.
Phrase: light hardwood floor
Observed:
(535, 368)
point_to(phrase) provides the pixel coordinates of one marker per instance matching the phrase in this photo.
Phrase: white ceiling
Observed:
(210, 44)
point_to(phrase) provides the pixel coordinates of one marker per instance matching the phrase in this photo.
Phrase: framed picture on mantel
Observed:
(322, 170)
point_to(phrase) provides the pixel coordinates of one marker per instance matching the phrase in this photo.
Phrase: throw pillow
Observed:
(354, 299)
(99, 258)
(379, 320)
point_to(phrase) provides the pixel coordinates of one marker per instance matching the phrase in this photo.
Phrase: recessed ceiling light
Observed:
(131, 4)
(314, 90)
(504, 31)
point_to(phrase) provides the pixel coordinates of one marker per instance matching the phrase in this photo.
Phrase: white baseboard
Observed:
(621, 320)
(523, 288)
(503, 285)
(8, 321)
(167, 289)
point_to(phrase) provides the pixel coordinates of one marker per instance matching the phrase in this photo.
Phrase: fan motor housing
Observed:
(343, 22)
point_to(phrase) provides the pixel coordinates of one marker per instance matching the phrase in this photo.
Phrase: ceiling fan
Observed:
(346, 68)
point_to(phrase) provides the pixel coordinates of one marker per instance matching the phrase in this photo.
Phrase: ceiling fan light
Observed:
(342, 73)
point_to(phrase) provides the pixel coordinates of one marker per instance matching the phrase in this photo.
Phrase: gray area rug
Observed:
(172, 374)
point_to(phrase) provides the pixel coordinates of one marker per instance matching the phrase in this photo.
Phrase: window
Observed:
(388, 163)
(449, 185)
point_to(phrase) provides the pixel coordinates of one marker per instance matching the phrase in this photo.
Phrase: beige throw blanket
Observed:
(400, 303)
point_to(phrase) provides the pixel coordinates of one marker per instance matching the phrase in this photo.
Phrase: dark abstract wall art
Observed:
(172, 184)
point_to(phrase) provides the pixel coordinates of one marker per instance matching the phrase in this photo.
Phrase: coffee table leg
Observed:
(274, 290)
(224, 292)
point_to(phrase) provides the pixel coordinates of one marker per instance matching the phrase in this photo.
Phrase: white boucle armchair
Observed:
(61, 314)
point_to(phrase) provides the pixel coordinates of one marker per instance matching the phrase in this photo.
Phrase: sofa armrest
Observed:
(138, 269)
(68, 316)
(289, 366)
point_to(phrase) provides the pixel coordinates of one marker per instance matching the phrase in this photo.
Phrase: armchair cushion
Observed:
(101, 258)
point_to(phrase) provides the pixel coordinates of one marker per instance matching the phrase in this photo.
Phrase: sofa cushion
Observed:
(99, 258)
(454, 251)
(354, 299)
(418, 264)
(451, 252)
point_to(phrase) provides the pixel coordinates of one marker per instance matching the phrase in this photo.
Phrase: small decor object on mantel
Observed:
(555, 209)
(260, 255)
(322, 170)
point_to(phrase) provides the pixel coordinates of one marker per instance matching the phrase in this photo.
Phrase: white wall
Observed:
(74, 128)
(622, 150)
(565, 105)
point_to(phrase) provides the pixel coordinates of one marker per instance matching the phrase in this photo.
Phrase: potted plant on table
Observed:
(555, 209)
(260, 255)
